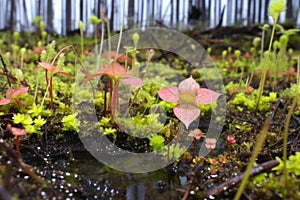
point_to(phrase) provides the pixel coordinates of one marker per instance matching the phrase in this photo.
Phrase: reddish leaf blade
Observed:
(186, 113)
(66, 74)
(19, 91)
(169, 94)
(132, 80)
(9, 92)
(46, 65)
(189, 85)
(92, 76)
(206, 96)
(5, 101)
(18, 131)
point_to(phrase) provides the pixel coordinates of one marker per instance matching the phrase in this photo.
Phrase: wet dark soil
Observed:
(71, 172)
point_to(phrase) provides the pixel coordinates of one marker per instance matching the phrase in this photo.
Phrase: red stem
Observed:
(194, 149)
(115, 98)
(51, 93)
(46, 75)
(110, 95)
(17, 146)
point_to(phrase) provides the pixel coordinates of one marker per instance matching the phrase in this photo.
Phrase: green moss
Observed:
(292, 165)
(242, 100)
(156, 142)
(70, 123)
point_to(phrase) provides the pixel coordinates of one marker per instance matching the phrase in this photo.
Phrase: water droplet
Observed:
(43, 193)
(192, 192)
(211, 197)
(67, 174)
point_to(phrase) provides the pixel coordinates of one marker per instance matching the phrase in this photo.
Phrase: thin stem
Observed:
(108, 36)
(5, 70)
(262, 44)
(110, 95)
(51, 93)
(121, 30)
(47, 89)
(298, 70)
(285, 136)
(194, 149)
(18, 147)
(101, 43)
(259, 145)
(95, 37)
(266, 62)
(60, 51)
(81, 40)
(115, 98)
(131, 103)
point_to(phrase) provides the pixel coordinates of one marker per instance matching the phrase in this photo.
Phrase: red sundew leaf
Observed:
(66, 74)
(46, 66)
(18, 131)
(49, 67)
(186, 113)
(206, 96)
(188, 84)
(115, 70)
(124, 58)
(169, 94)
(19, 91)
(120, 57)
(290, 72)
(9, 92)
(37, 50)
(132, 80)
(4, 101)
(92, 76)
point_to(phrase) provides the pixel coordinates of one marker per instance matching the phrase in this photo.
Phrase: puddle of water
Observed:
(160, 184)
